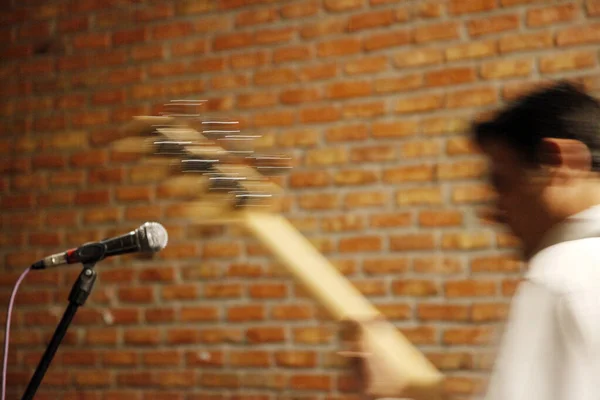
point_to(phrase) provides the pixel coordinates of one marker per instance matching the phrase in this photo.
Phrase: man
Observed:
(544, 154)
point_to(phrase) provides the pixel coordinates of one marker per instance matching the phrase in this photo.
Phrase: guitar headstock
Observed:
(210, 164)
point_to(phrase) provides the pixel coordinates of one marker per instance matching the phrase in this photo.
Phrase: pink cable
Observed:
(7, 333)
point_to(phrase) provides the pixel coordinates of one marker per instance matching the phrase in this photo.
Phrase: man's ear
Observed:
(565, 154)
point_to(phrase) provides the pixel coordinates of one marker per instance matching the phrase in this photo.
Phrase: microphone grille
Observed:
(153, 237)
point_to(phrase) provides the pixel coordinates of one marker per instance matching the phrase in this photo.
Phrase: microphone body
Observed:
(150, 237)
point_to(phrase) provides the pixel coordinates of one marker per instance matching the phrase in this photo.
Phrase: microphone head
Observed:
(152, 237)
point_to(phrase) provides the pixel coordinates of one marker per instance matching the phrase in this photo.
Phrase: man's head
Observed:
(544, 150)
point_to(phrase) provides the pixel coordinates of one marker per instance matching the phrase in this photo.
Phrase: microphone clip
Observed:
(90, 253)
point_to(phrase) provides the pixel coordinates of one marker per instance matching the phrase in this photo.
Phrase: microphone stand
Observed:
(79, 293)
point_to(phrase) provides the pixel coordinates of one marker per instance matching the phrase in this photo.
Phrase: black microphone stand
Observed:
(90, 254)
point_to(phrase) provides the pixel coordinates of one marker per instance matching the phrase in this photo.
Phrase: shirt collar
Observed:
(578, 226)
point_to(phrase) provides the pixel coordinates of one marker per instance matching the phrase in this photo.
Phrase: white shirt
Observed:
(551, 346)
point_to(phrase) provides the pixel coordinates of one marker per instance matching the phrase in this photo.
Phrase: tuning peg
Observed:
(182, 108)
(201, 165)
(225, 182)
(250, 198)
(165, 147)
(271, 164)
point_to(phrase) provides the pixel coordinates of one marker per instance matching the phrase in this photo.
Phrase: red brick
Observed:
(291, 53)
(493, 24)
(399, 83)
(592, 8)
(500, 263)
(158, 274)
(18, 201)
(199, 314)
(296, 359)
(129, 36)
(319, 202)
(459, 7)
(311, 382)
(363, 110)
(371, 20)
(61, 217)
(187, 47)
(136, 295)
(254, 17)
(247, 358)
(412, 241)
(162, 357)
(410, 173)
(224, 290)
(171, 30)
(443, 312)
(467, 335)
(450, 76)
(393, 129)
(256, 100)
(229, 81)
(419, 103)
(506, 69)
(319, 72)
(567, 62)
(348, 89)
(232, 41)
(470, 288)
(437, 32)
(415, 287)
(299, 10)
(272, 36)
(160, 315)
(338, 47)
(355, 177)
(365, 199)
(552, 15)
(245, 313)
(91, 40)
(343, 5)
(508, 3)
(440, 218)
(415, 196)
(102, 336)
(150, 52)
(526, 41)
(92, 197)
(159, 11)
(319, 114)
(487, 312)
(75, 24)
(378, 41)
(179, 292)
(212, 64)
(360, 244)
(92, 378)
(472, 97)
(292, 312)
(274, 118)
(268, 291)
(366, 65)
(463, 169)
(265, 335)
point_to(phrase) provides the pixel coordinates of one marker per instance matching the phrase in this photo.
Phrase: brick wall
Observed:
(370, 96)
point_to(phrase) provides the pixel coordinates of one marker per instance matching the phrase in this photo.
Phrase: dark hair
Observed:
(562, 110)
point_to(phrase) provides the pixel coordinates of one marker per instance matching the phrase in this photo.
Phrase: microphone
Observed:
(149, 237)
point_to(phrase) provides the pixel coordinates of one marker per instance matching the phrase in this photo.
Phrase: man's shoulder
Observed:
(568, 266)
